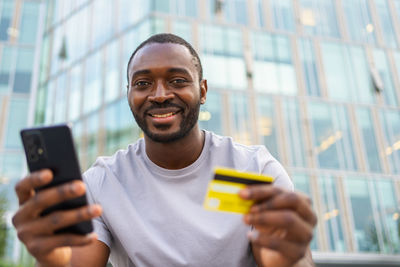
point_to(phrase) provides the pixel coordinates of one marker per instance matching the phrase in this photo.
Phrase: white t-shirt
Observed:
(154, 216)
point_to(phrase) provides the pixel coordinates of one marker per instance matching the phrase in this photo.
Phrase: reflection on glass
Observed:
(222, 50)
(389, 215)
(7, 60)
(77, 134)
(391, 129)
(332, 213)
(283, 16)
(183, 29)
(112, 72)
(51, 90)
(75, 92)
(273, 67)
(17, 120)
(233, 11)
(319, 17)
(347, 73)
(307, 57)
(358, 21)
(92, 138)
(332, 140)
(302, 183)
(267, 124)
(240, 118)
(382, 65)
(135, 14)
(60, 99)
(102, 28)
(210, 117)
(368, 139)
(259, 12)
(295, 141)
(121, 129)
(23, 71)
(7, 10)
(388, 31)
(93, 85)
(29, 22)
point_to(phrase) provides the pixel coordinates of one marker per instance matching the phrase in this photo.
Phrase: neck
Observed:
(178, 154)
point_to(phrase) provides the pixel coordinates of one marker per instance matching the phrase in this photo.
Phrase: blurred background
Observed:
(316, 81)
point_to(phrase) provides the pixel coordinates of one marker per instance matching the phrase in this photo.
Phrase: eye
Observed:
(178, 81)
(141, 84)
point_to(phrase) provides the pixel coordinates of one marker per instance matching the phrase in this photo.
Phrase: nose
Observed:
(161, 93)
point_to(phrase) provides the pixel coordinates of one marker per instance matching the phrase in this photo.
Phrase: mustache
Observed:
(155, 105)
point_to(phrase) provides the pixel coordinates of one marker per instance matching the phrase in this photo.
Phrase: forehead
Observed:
(164, 55)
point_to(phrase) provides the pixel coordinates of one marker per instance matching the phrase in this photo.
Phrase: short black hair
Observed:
(163, 38)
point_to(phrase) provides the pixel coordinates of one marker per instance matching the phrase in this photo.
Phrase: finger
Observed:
(290, 250)
(288, 200)
(49, 224)
(260, 192)
(296, 229)
(49, 197)
(44, 245)
(25, 187)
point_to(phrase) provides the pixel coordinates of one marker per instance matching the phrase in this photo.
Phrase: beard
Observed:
(186, 125)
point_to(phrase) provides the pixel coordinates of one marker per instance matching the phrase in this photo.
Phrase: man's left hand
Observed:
(283, 224)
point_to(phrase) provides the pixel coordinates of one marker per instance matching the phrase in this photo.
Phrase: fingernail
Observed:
(91, 236)
(244, 193)
(94, 210)
(253, 234)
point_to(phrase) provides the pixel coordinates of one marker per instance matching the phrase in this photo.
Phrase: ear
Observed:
(203, 91)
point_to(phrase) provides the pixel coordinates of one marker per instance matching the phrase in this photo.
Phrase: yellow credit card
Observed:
(223, 190)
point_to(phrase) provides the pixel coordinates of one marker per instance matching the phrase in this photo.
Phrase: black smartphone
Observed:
(52, 148)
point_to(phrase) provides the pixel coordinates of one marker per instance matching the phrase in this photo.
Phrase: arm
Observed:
(37, 232)
(283, 226)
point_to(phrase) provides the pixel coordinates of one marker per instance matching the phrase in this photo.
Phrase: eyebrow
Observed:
(140, 72)
(178, 70)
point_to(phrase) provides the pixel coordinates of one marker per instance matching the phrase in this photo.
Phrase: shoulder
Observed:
(110, 169)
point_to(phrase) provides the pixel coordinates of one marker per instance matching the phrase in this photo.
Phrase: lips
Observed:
(163, 112)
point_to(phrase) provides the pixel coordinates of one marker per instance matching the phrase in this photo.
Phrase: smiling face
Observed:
(164, 91)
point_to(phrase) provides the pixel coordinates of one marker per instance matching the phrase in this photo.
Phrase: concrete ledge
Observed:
(326, 259)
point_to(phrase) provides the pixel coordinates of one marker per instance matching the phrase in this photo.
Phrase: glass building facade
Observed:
(20, 35)
(317, 82)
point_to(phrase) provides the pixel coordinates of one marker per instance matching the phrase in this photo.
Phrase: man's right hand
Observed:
(36, 232)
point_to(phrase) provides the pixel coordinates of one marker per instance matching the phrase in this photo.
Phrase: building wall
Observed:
(317, 82)
(20, 22)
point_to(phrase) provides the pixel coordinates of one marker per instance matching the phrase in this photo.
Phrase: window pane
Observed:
(51, 90)
(369, 145)
(267, 124)
(382, 65)
(347, 73)
(23, 71)
(210, 117)
(283, 16)
(112, 72)
(93, 86)
(389, 215)
(307, 57)
(183, 29)
(8, 55)
(241, 130)
(391, 127)
(332, 140)
(295, 141)
(332, 213)
(29, 22)
(135, 14)
(302, 183)
(259, 12)
(365, 230)
(389, 34)
(273, 63)
(7, 11)
(17, 118)
(319, 17)
(233, 11)
(358, 21)
(75, 92)
(102, 21)
(60, 99)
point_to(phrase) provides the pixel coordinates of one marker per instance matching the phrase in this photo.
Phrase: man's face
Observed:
(164, 91)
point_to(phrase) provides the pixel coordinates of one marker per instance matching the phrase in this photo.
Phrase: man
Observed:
(149, 197)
